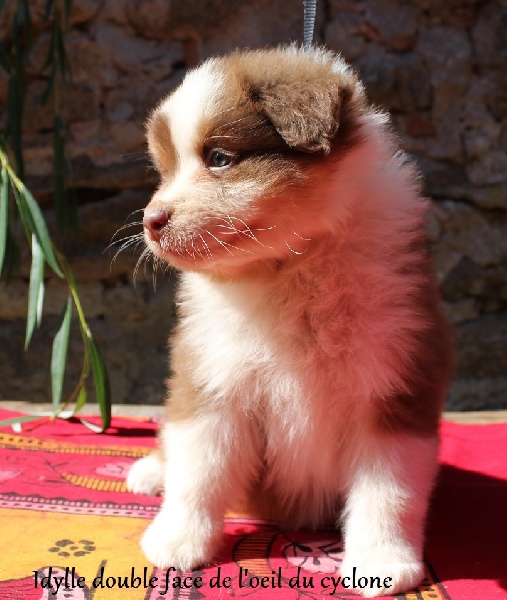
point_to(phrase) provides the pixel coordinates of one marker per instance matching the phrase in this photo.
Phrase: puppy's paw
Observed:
(381, 575)
(146, 476)
(169, 543)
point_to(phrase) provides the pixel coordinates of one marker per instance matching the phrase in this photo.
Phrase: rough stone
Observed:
(463, 310)
(134, 55)
(489, 169)
(490, 34)
(149, 18)
(470, 234)
(478, 393)
(344, 34)
(89, 61)
(486, 288)
(395, 23)
(482, 196)
(481, 132)
(448, 55)
(395, 81)
(439, 67)
(83, 11)
(480, 347)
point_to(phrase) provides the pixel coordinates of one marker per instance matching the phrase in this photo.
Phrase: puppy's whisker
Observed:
(294, 251)
(301, 237)
(137, 155)
(223, 244)
(134, 212)
(210, 254)
(126, 226)
(145, 253)
(222, 137)
(264, 228)
(132, 243)
(128, 242)
(246, 227)
(227, 246)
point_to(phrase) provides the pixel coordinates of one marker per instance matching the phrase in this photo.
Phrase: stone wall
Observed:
(439, 67)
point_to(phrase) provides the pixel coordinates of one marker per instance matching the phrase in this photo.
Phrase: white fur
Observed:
(386, 506)
(146, 475)
(202, 477)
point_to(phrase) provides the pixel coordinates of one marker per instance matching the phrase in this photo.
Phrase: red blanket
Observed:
(68, 521)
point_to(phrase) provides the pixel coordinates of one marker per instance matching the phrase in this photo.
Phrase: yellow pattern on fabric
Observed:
(31, 540)
(23, 443)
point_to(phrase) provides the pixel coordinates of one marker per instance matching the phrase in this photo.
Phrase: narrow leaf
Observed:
(59, 355)
(27, 24)
(65, 207)
(15, 420)
(61, 56)
(12, 257)
(67, 5)
(92, 426)
(5, 61)
(28, 205)
(50, 84)
(15, 102)
(101, 381)
(23, 212)
(4, 215)
(81, 399)
(47, 9)
(36, 291)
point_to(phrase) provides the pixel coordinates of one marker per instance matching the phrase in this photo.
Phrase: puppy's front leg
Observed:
(385, 514)
(204, 473)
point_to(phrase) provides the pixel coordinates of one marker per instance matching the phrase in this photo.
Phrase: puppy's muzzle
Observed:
(154, 223)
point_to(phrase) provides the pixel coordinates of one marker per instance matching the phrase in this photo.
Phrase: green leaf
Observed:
(101, 381)
(59, 355)
(64, 204)
(50, 83)
(5, 61)
(92, 426)
(60, 54)
(48, 9)
(12, 257)
(67, 6)
(16, 420)
(4, 215)
(36, 291)
(15, 103)
(81, 399)
(28, 206)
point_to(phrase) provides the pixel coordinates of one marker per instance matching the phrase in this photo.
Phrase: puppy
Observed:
(311, 357)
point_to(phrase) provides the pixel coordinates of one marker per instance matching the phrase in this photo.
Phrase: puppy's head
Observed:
(244, 147)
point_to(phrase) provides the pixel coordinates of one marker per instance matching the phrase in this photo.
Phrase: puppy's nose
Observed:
(155, 221)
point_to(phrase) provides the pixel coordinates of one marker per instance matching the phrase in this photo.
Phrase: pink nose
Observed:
(155, 221)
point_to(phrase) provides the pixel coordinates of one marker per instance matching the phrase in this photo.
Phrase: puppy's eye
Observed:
(218, 159)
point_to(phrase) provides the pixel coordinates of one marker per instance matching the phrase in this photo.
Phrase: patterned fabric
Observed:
(67, 520)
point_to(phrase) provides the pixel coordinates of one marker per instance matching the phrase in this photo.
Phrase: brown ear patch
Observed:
(304, 97)
(306, 118)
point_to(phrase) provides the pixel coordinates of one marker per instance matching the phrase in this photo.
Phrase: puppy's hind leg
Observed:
(146, 476)
(385, 514)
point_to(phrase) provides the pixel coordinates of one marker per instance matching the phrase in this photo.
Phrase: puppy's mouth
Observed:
(218, 240)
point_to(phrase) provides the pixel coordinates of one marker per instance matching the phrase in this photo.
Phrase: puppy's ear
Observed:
(305, 113)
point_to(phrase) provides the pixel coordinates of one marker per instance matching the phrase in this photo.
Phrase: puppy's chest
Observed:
(240, 337)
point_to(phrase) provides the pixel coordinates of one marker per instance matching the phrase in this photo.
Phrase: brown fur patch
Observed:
(418, 410)
(160, 143)
(302, 99)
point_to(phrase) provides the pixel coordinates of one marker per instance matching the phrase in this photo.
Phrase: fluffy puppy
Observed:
(311, 358)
